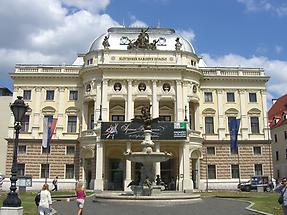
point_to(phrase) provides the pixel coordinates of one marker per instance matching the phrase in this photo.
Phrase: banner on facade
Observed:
(233, 129)
(135, 130)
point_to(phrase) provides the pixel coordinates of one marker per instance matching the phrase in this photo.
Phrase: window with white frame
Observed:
(72, 124)
(118, 118)
(45, 170)
(70, 150)
(252, 97)
(73, 95)
(211, 150)
(257, 150)
(230, 97)
(70, 171)
(25, 123)
(22, 149)
(258, 169)
(209, 125)
(211, 171)
(50, 95)
(20, 169)
(234, 171)
(27, 94)
(254, 123)
(208, 97)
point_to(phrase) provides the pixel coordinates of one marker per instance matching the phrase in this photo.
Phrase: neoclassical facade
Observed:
(125, 69)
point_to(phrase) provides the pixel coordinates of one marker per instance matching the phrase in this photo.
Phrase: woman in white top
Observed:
(45, 200)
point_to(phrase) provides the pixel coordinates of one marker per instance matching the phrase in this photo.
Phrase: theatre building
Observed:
(96, 98)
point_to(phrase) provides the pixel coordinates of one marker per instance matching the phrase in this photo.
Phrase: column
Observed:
(97, 101)
(186, 102)
(61, 107)
(36, 110)
(157, 164)
(99, 182)
(128, 178)
(180, 170)
(187, 182)
(196, 117)
(104, 101)
(130, 102)
(244, 118)
(221, 126)
(85, 116)
(96, 117)
(265, 117)
(155, 107)
(179, 102)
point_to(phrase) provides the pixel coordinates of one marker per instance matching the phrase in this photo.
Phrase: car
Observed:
(254, 183)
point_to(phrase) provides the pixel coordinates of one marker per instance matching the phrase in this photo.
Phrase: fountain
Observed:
(147, 157)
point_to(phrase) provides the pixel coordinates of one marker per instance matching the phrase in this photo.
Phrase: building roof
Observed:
(277, 114)
(4, 91)
(119, 38)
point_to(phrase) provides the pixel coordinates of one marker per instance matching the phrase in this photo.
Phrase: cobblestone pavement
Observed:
(206, 206)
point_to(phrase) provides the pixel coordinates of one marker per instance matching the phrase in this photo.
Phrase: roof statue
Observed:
(178, 44)
(106, 43)
(142, 42)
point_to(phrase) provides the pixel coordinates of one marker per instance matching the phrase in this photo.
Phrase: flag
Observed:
(49, 125)
(233, 130)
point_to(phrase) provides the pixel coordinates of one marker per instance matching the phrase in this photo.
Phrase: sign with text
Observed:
(135, 131)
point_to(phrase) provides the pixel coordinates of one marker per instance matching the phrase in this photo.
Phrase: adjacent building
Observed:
(96, 98)
(278, 125)
(5, 100)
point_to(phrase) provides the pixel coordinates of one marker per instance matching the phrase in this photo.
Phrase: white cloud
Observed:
(136, 23)
(90, 5)
(187, 34)
(265, 5)
(275, 68)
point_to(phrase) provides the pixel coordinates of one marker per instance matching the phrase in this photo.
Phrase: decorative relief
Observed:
(142, 87)
(117, 87)
(166, 87)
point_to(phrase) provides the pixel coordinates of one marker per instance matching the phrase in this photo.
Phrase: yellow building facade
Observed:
(124, 70)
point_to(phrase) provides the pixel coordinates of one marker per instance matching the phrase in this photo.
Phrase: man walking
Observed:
(55, 183)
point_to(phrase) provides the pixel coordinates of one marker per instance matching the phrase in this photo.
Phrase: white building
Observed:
(125, 69)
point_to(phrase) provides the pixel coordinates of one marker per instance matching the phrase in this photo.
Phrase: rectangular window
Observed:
(209, 127)
(118, 118)
(285, 135)
(20, 169)
(92, 121)
(27, 94)
(208, 96)
(230, 97)
(285, 153)
(50, 95)
(257, 150)
(211, 171)
(45, 170)
(211, 150)
(275, 138)
(70, 171)
(258, 169)
(277, 155)
(252, 97)
(254, 121)
(70, 150)
(73, 95)
(25, 123)
(165, 118)
(234, 171)
(21, 149)
(72, 124)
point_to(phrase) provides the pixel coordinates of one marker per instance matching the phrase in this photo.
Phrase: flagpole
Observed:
(239, 178)
(47, 170)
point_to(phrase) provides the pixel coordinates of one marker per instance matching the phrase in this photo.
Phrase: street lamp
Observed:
(19, 108)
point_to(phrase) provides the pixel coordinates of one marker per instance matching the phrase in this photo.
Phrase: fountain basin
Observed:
(145, 157)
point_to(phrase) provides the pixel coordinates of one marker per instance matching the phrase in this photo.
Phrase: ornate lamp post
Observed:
(19, 108)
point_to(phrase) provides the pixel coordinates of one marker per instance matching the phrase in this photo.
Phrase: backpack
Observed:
(37, 199)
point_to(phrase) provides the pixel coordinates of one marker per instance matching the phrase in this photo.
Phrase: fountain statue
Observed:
(147, 156)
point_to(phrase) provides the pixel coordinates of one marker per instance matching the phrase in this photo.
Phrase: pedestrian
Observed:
(80, 193)
(45, 200)
(282, 189)
(55, 183)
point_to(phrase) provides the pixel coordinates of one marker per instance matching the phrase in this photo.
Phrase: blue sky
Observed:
(249, 33)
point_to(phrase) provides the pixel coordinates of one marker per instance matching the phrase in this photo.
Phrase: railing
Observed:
(47, 69)
(232, 71)
(88, 133)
